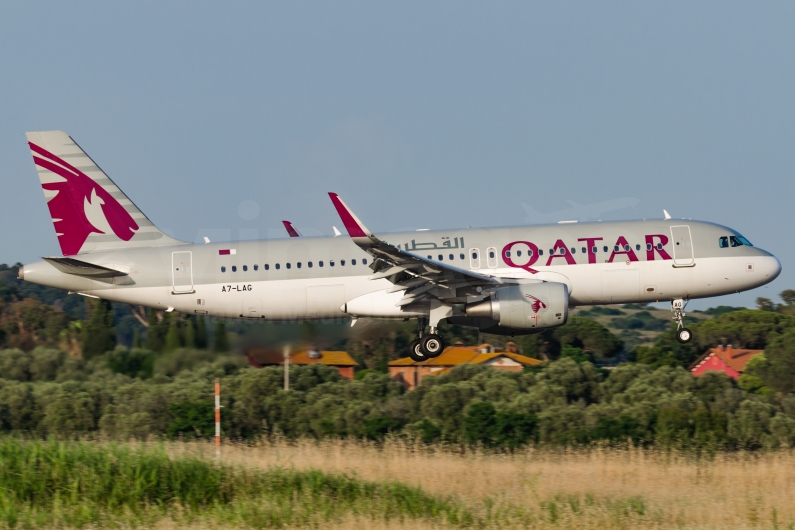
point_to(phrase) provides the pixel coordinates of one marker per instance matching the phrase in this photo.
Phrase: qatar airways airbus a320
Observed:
(509, 280)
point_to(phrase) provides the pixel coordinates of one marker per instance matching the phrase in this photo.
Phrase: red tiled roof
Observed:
(268, 357)
(457, 355)
(734, 358)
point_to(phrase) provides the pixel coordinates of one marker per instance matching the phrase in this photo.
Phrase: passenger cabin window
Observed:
(452, 257)
(331, 263)
(223, 269)
(594, 250)
(256, 267)
(637, 247)
(463, 256)
(353, 262)
(723, 242)
(573, 250)
(267, 267)
(288, 265)
(298, 264)
(342, 263)
(278, 266)
(648, 246)
(441, 257)
(309, 264)
(245, 268)
(562, 251)
(604, 249)
(234, 268)
(540, 252)
(364, 261)
(319, 263)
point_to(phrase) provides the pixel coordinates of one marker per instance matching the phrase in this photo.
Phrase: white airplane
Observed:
(511, 280)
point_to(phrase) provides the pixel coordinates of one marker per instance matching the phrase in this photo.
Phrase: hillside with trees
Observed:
(75, 366)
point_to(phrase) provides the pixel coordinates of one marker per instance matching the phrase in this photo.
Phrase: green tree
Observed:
(189, 333)
(221, 338)
(99, 333)
(201, 332)
(191, 419)
(765, 304)
(779, 371)
(588, 335)
(751, 379)
(173, 336)
(156, 332)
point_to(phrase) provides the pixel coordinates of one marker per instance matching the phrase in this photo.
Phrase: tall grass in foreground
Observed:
(79, 483)
(593, 487)
(346, 484)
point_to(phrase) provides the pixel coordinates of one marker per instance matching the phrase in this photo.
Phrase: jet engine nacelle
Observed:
(528, 306)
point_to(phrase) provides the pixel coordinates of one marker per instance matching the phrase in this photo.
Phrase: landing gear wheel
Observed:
(684, 335)
(415, 351)
(432, 345)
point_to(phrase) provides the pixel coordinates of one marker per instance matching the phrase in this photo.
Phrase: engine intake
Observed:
(537, 305)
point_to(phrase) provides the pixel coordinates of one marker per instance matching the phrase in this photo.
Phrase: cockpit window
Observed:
(738, 241)
(723, 242)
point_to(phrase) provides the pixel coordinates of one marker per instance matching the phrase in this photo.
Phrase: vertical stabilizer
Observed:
(89, 212)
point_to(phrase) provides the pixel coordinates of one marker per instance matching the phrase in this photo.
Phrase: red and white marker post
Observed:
(217, 419)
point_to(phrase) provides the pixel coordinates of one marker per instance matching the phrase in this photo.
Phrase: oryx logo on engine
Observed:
(537, 304)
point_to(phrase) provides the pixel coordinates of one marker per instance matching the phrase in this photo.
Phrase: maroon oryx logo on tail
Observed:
(537, 304)
(80, 206)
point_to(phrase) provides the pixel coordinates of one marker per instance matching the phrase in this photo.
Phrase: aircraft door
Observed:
(182, 272)
(682, 246)
(491, 257)
(474, 258)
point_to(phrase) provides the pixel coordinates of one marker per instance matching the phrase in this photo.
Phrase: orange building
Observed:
(341, 360)
(410, 373)
(723, 359)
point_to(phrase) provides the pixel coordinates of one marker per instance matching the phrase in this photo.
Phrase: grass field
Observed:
(337, 484)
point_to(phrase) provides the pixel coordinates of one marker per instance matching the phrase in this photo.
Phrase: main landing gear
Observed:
(425, 347)
(683, 335)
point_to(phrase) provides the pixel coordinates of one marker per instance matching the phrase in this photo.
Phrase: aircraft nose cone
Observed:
(771, 267)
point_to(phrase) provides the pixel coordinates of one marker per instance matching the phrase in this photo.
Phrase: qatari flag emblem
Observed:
(226, 251)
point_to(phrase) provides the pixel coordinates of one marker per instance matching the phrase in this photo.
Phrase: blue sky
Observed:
(421, 115)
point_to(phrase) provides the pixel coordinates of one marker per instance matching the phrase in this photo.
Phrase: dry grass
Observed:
(595, 488)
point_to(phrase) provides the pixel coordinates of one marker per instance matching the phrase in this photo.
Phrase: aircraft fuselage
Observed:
(315, 277)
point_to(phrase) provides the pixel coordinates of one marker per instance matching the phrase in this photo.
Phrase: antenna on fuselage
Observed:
(667, 215)
(206, 240)
(336, 232)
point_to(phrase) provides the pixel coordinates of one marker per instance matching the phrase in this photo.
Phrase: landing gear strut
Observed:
(683, 335)
(428, 346)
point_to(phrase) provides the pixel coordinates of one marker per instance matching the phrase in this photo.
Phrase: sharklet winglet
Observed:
(353, 225)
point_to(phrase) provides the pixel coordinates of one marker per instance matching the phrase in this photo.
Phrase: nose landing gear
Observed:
(683, 335)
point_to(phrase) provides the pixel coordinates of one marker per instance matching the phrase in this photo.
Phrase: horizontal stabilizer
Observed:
(83, 268)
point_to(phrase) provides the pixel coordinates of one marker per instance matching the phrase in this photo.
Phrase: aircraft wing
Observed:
(419, 277)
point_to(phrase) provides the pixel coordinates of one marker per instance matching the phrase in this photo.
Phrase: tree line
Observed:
(66, 370)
